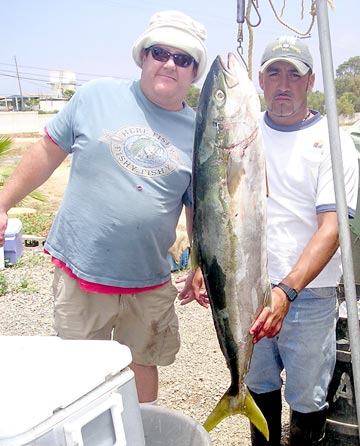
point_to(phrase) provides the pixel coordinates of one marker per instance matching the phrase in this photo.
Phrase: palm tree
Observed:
(5, 144)
(5, 171)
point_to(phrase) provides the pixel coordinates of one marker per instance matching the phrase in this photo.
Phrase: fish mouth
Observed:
(224, 67)
(230, 66)
(232, 60)
(230, 69)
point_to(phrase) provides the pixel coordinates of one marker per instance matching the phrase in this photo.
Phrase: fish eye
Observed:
(219, 95)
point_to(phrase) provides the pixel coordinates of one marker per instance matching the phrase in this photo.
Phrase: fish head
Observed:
(229, 106)
(228, 117)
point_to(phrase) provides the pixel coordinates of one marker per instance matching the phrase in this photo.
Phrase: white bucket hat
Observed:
(173, 28)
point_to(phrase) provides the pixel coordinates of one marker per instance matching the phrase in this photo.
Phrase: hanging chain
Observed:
(243, 15)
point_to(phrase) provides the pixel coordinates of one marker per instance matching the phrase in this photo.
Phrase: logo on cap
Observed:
(285, 46)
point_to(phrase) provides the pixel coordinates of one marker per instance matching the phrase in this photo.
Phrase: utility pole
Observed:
(336, 159)
(18, 78)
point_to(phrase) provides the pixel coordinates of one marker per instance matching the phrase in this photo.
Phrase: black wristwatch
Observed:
(291, 293)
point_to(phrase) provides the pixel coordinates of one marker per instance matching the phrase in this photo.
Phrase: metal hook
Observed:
(240, 35)
(256, 8)
(240, 17)
(240, 52)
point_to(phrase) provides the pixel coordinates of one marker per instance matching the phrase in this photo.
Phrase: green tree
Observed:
(5, 144)
(350, 68)
(347, 84)
(68, 93)
(32, 103)
(345, 106)
(316, 101)
(193, 96)
(353, 99)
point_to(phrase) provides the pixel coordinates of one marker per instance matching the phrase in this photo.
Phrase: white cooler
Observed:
(56, 392)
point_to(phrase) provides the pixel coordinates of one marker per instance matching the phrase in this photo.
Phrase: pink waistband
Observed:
(99, 288)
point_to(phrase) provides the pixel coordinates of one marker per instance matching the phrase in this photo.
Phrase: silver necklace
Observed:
(307, 116)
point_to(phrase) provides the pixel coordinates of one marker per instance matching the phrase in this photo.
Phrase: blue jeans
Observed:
(305, 348)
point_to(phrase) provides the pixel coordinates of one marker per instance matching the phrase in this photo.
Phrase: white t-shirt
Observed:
(298, 164)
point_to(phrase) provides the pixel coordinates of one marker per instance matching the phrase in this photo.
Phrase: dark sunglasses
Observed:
(162, 55)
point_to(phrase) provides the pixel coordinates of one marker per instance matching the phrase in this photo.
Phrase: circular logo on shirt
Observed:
(143, 151)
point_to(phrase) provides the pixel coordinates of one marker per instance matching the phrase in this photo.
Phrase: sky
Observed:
(94, 38)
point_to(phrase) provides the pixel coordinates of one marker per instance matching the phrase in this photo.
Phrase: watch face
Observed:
(291, 294)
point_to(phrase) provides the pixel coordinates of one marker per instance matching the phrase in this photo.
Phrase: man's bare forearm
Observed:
(35, 167)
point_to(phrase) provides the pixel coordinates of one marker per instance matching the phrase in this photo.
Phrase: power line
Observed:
(36, 76)
(40, 78)
(57, 69)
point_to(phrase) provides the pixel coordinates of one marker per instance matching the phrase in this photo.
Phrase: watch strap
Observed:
(291, 293)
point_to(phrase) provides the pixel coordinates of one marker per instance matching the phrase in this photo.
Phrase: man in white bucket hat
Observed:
(172, 28)
(131, 144)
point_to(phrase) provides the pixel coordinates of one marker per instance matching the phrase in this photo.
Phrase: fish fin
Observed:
(238, 404)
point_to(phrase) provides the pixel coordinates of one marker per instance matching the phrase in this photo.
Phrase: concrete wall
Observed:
(49, 105)
(13, 123)
(19, 123)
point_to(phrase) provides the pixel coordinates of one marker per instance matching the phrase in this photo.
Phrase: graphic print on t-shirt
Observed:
(142, 151)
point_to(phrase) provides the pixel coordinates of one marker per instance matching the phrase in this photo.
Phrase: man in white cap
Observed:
(131, 144)
(298, 335)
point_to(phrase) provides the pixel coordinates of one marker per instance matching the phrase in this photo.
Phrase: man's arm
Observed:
(314, 258)
(35, 167)
(189, 220)
(194, 288)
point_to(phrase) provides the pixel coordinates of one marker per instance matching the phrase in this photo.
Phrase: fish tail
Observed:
(238, 404)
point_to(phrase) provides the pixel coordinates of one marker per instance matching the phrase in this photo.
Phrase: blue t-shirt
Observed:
(130, 176)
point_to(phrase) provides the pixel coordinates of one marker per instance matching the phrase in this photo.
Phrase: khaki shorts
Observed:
(145, 322)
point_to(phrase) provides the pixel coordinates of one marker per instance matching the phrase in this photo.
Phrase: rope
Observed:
(296, 31)
(251, 38)
(312, 13)
(283, 7)
(250, 26)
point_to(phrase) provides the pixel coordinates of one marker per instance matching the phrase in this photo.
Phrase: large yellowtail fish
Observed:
(229, 225)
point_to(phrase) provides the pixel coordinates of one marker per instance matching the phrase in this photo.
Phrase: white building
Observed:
(60, 81)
